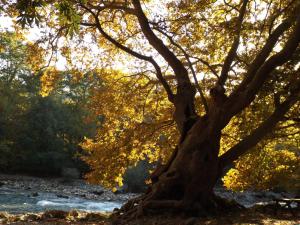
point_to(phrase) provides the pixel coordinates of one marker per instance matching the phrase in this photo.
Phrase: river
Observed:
(16, 201)
(25, 194)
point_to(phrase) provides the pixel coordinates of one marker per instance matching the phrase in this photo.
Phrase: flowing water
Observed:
(19, 201)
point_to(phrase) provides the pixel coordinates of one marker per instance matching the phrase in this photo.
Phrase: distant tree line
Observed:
(39, 135)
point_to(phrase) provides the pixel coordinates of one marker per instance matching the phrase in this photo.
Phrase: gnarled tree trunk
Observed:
(186, 182)
(191, 174)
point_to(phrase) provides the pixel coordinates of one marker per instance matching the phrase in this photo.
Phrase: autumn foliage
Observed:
(191, 85)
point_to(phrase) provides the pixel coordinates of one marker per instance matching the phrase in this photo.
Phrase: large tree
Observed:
(237, 49)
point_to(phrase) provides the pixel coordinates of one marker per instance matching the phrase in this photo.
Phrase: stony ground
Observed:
(263, 216)
(62, 187)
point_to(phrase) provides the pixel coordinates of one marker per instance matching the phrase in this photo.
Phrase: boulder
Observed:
(94, 217)
(57, 214)
(31, 217)
(35, 194)
(74, 214)
(98, 192)
(135, 177)
(4, 215)
(62, 196)
(72, 173)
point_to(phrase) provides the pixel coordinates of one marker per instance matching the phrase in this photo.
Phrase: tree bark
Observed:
(186, 183)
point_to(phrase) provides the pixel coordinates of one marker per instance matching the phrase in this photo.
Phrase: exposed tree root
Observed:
(145, 206)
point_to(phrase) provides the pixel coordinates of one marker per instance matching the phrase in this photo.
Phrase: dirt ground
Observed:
(246, 217)
(260, 216)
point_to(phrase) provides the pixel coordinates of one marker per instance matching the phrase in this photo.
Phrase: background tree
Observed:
(14, 74)
(238, 48)
(39, 135)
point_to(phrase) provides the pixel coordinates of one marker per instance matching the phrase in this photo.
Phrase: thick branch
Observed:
(296, 120)
(133, 53)
(187, 57)
(264, 53)
(280, 12)
(210, 67)
(276, 60)
(111, 5)
(232, 53)
(251, 140)
(162, 80)
(185, 96)
(177, 66)
(245, 97)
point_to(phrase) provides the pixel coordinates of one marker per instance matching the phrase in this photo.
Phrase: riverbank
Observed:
(63, 187)
(263, 215)
(25, 194)
(55, 217)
